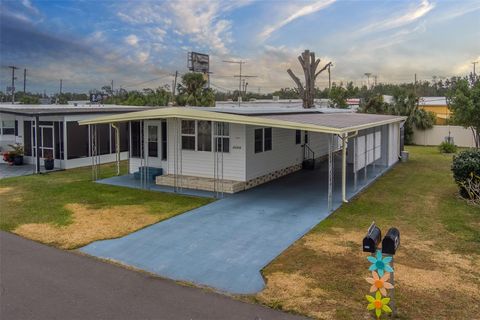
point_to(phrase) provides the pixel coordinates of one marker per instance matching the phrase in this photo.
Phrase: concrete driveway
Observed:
(225, 244)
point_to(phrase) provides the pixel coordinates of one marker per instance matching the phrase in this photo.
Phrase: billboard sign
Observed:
(198, 62)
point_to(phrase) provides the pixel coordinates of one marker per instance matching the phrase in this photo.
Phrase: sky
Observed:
(140, 44)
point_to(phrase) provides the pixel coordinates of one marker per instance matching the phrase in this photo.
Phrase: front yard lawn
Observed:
(437, 268)
(66, 209)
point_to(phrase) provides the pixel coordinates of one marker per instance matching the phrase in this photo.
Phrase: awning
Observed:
(337, 123)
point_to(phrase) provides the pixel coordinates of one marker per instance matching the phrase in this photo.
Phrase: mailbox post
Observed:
(389, 245)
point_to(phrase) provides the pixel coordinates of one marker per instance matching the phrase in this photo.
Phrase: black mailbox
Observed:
(391, 241)
(372, 239)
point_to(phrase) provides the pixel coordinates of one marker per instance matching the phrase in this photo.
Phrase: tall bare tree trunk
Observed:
(309, 65)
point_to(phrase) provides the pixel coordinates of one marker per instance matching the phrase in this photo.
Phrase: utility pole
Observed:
(24, 80)
(111, 87)
(61, 84)
(13, 82)
(240, 63)
(175, 84)
(474, 63)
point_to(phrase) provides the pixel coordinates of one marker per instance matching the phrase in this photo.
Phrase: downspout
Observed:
(117, 146)
(345, 138)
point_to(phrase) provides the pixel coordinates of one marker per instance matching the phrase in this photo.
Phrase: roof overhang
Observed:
(195, 114)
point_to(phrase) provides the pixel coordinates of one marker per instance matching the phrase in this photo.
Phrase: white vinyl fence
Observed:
(433, 137)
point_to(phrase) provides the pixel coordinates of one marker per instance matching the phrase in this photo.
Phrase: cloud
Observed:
(397, 21)
(28, 4)
(203, 22)
(131, 40)
(302, 11)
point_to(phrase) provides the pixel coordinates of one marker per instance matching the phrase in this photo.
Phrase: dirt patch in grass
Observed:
(89, 224)
(5, 190)
(339, 241)
(295, 292)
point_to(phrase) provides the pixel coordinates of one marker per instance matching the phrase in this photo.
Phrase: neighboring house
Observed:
(437, 105)
(61, 137)
(232, 148)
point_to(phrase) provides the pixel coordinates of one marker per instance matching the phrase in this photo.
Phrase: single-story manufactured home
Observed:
(230, 148)
(61, 137)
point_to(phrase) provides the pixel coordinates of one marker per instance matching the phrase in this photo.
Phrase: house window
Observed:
(8, 127)
(153, 141)
(267, 139)
(164, 140)
(306, 137)
(204, 141)
(298, 136)
(222, 137)
(263, 140)
(188, 134)
(258, 140)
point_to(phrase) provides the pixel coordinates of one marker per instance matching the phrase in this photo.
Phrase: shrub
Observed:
(465, 165)
(447, 147)
(472, 188)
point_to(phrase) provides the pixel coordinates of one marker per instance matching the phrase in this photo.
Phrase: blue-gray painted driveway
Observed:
(225, 244)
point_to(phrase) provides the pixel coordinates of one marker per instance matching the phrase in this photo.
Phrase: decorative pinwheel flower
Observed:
(380, 283)
(379, 264)
(378, 304)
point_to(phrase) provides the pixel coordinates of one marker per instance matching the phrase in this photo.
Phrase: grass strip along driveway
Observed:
(437, 268)
(66, 209)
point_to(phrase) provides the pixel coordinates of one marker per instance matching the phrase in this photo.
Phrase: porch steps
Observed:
(151, 172)
(200, 183)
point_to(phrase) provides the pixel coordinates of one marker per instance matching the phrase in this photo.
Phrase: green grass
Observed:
(440, 246)
(42, 198)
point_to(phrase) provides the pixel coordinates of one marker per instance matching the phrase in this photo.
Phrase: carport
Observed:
(372, 139)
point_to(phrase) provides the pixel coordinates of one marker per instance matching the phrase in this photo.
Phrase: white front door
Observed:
(153, 146)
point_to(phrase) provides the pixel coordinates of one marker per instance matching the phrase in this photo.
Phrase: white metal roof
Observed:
(338, 123)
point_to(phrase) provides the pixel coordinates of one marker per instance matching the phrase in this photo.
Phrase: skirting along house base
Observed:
(228, 149)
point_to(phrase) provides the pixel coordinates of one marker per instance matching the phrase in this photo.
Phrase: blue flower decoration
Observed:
(379, 264)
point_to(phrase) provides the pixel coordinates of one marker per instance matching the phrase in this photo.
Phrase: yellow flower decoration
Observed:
(378, 304)
(380, 283)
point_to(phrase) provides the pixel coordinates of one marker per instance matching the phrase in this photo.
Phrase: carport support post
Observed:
(117, 146)
(344, 167)
(37, 137)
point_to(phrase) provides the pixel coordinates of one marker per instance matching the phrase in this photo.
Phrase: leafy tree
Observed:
(464, 102)
(193, 91)
(423, 119)
(374, 104)
(338, 97)
(27, 99)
